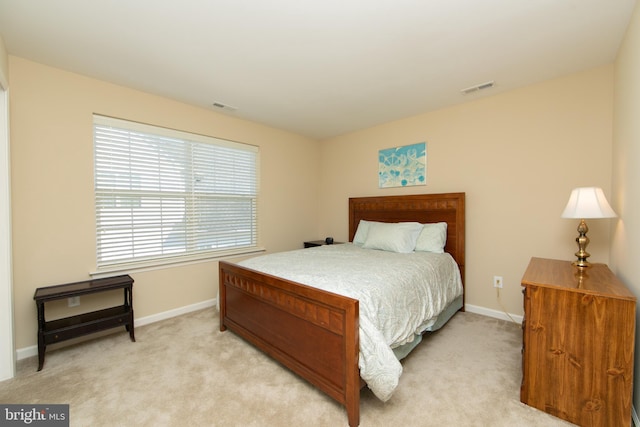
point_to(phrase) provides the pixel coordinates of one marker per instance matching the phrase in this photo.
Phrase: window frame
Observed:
(249, 196)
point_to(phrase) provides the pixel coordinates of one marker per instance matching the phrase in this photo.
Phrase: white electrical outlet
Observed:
(73, 301)
(497, 281)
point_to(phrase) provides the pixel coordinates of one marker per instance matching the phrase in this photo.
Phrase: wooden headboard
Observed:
(423, 208)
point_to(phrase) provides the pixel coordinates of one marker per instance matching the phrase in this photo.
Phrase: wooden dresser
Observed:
(578, 342)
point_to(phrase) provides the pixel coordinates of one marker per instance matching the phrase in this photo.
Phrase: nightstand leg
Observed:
(41, 345)
(128, 302)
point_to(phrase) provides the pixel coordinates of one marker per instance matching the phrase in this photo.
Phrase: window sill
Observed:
(137, 267)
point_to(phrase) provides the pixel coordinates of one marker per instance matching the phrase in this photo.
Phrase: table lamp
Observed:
(586, 202)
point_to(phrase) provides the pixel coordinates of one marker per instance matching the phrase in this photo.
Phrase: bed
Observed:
(314, 332)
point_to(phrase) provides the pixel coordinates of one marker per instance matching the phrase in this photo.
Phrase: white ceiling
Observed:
(319, 68)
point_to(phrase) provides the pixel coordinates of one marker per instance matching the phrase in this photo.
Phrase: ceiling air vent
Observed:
(224, 107)
(477, 88)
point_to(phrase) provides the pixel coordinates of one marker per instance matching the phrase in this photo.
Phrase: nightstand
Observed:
(578, 343)
(313, 243)
(54, 331)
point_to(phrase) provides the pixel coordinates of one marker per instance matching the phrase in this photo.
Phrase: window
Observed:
(165, 196)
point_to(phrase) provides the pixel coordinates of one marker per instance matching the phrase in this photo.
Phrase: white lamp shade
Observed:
(588, 202)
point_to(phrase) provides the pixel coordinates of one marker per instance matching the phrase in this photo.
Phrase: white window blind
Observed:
(165, 196)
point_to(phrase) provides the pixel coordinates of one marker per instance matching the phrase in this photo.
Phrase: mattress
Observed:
(400, 296)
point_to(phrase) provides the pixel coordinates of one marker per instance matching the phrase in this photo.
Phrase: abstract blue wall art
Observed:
(403, 166)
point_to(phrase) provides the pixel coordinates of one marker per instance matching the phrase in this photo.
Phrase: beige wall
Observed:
(625, 248)
(517, 156)
(52, 187)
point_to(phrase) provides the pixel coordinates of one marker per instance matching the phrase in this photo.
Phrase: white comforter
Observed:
(399, 295)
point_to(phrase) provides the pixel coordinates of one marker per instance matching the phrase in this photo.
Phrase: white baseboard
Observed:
(175, 312)
(492, 313)
(23, 353)
(635, 421)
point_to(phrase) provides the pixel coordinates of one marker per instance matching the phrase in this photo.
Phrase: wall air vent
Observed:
(477, 88)
(224, 107)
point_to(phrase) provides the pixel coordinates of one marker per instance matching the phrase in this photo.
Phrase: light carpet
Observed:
(184, 372)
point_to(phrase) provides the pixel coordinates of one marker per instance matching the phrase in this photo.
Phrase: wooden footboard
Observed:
(312, 332)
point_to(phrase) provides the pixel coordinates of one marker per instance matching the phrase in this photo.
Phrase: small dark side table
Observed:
(314, 243)
(58, 330)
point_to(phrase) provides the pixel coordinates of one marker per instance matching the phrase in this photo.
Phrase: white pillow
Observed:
(361, 232)
(394, 237)
(433, 238)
